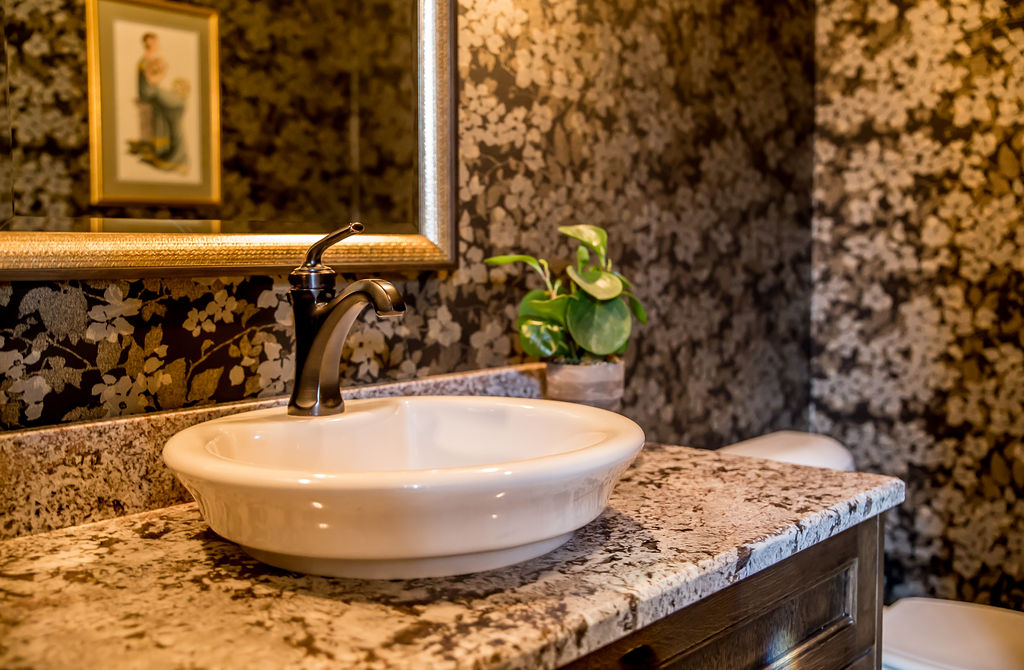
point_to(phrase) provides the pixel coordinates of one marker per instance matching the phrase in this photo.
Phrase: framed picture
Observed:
(154, 103)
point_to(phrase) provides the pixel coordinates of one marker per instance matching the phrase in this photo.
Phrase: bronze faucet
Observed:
(322, 323)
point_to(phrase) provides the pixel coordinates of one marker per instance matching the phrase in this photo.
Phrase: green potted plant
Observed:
(580, 323)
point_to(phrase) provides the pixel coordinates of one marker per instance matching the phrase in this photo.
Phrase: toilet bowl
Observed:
(789, 446)
(917, 633)
(927, 633)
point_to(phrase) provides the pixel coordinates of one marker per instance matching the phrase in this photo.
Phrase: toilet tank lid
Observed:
(789, 446)
(932, 634)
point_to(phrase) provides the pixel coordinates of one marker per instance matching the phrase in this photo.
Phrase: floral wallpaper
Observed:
(918, 304)
(684, 128)
(641, 117)
(289, 97)
(108, 342)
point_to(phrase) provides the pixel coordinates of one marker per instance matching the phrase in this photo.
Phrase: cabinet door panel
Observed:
(816, 609)
(785, 632)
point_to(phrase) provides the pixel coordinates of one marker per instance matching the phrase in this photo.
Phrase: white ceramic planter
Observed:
(596, 384)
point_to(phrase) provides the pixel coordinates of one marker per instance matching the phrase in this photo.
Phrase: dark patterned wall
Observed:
(919, 278)
(77, 350)
(289, 72)
(683, 130)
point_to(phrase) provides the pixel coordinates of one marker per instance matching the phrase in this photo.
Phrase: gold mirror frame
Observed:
(73, 255)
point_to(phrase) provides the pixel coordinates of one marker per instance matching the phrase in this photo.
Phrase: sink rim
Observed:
(188, 452)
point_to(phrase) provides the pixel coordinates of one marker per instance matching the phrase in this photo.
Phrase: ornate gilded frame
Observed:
(67, 255)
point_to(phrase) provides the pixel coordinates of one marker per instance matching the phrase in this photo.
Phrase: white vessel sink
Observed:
(405, 487)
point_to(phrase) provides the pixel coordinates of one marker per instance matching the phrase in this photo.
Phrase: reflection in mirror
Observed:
(318, 113)
(6, 159)
(302, 103)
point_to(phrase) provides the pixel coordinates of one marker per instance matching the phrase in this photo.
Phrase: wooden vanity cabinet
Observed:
(818, 609)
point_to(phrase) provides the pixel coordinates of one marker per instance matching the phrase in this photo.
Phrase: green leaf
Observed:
(516, 258)
(541, 338)
(582, 258)
(598, 283)
(622, 350)
(553, 309)
(592, 236)
(600, 327)
(525, 309)
(638, 310)
(625, 282)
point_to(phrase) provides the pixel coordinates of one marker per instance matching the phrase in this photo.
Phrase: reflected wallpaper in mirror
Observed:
(318, 113)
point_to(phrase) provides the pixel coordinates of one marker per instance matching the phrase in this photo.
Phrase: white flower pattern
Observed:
(918, 364)
(684, 128)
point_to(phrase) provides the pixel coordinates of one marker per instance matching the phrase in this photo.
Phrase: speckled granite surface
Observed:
(159, 589)
(77, 473)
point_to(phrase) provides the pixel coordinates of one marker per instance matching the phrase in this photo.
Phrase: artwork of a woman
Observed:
(161, 143)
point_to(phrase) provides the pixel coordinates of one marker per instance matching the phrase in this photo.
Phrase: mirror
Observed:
(318, 128)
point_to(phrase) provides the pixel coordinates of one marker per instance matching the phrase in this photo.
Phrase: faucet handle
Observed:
(316, 251)
(313, 274)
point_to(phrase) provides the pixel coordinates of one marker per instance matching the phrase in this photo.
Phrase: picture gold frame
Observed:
(106, 188)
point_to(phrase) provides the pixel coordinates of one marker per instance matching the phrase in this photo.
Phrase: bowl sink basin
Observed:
(405, 487)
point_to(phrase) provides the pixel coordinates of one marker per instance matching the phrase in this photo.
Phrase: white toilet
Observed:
(918, 633)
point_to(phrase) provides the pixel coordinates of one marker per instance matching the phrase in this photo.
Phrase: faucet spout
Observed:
(322, 324)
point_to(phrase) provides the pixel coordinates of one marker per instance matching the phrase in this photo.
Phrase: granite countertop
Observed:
(159, 589)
